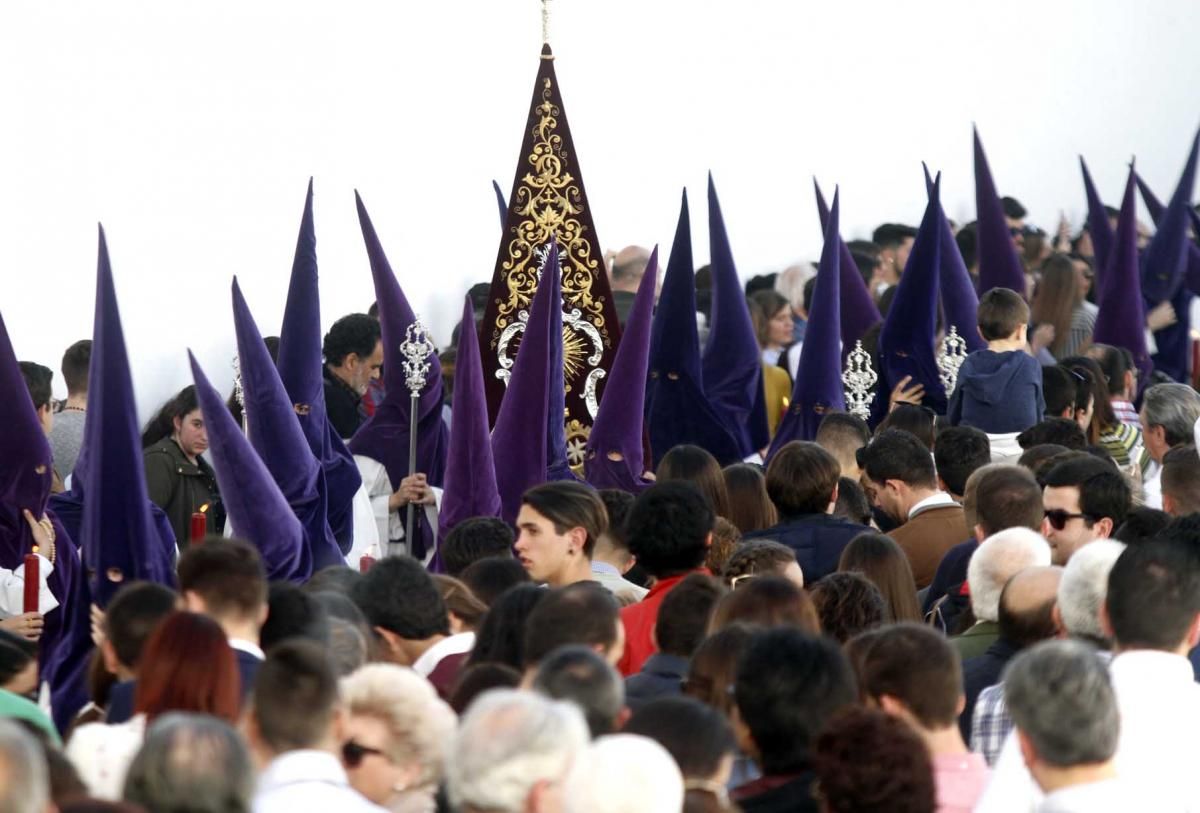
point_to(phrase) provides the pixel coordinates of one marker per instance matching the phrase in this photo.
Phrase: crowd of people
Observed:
(911, 530)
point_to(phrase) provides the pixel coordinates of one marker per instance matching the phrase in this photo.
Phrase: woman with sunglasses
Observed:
(397, 732)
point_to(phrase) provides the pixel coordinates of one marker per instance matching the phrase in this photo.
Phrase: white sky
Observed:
(190, 130)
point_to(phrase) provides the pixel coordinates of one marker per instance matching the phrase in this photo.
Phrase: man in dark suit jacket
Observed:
(225, 580)
(900, 479)
(802, 481)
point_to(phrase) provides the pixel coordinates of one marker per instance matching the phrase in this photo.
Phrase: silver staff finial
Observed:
(416, 348)
(239, 394)
(859, 378)
(954, 353)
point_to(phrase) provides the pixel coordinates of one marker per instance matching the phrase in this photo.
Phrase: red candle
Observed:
(199, 526)
(32, 581)
(365, 562)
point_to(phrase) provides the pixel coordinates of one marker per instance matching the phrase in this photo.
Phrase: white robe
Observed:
(390, 524)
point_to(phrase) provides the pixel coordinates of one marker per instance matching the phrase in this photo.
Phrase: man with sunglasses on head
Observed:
(1084, 499)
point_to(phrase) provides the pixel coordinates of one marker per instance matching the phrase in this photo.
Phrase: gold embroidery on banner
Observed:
(577, 436)
(548, 200)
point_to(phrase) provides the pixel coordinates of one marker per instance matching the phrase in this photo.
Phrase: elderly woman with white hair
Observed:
(397, 735)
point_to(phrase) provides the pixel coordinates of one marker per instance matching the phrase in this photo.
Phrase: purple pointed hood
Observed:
(275, 433)
(119, 538)
(999, 265)
(27, 470)
(906, 342)
(859, 313)
(960, 302)
(300, 369)
(1165, 258)
(255, 507)
(617, 431)
(520, 438)
(1169, 265)
(732, 360)
(384, 436)
(1121, 319)
(1099, 229)
(470, 489)
(819, 388)
(677, 408)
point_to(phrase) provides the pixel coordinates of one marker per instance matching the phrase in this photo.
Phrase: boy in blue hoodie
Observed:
(999, 390)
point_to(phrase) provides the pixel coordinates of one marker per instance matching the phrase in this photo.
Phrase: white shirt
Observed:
(451, 645)
(102, 753)
(1152, 487)
(1157, 753)
(379, 488)
(300, 781)
(249, 647)
(366, 530)
(1107, 796)
(935, 500)
(12, 589)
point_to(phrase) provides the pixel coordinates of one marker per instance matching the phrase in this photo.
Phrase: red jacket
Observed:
(639, 620)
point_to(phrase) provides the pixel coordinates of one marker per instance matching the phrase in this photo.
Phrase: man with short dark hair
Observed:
(225, 580)
(611, 558)
(583, 613)
(913, 673)
(557, 529)
(1059, 389)
(788, 686)
(1085, 499)
(129, 619)
(474, 539)
(900, 479)
(1153, 610)
(1064, 432)
(997, 497)
(895, 241)
(842, 435)
(67, 435)
(295, 731)
(353, 350)
(1181, 481)
(802, 482)
(959, 451)
(682, 626)
(580, 675)
(1169, 414)
(406, 611)
(670, 531)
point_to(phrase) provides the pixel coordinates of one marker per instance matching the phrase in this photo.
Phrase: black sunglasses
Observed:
(353, 754)
(1058, 518)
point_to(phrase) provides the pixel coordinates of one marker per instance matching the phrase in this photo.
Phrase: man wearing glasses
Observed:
(1085, 499)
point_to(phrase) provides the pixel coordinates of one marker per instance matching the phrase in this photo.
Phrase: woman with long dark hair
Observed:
(1060, 300)
(701, 469)
(178, 479)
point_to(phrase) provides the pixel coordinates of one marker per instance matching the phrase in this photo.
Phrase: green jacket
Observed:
(975, 641)
(15, 707)
(180, 487)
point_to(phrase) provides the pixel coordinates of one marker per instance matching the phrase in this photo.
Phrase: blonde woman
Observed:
(397, 734)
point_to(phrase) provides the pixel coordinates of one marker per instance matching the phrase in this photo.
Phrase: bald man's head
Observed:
(1027, 605)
